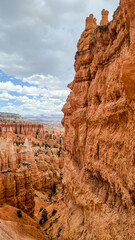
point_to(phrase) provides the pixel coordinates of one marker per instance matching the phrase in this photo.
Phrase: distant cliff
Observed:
(99, 121)
(12, 117)
(21, 128)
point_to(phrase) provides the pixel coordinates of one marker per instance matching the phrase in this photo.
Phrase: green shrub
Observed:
(19, 213)
(50, 136)
(54, 146)
(51, 224)
(51, 152)
(58, 232)
(61, 176)
(56, 220)
(62, 189)
(58, 153)
(54, 212)
(41, 209)
(47, 145)
(43, 217)
(37, 132)
(53, 188)
(35, 195)
(40, 221)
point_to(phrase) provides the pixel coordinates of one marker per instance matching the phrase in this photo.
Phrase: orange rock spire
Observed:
(104, 20)
(91, 23)
(90, 26)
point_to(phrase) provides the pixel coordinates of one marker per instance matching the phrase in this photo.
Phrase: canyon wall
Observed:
(21, 128)
(99, 121)
(18, 175)
(27, 164)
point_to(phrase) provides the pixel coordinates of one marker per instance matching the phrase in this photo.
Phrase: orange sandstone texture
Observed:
(104, 20)
(21, 128)
(28, 163)
(18, 175)
(99, 121)
(14, 228)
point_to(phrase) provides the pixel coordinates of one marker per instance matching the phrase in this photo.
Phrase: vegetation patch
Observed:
(19, 213)
(44, 217)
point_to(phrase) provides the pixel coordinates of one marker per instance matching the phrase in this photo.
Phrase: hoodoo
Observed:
(20, 128)
(99, 121)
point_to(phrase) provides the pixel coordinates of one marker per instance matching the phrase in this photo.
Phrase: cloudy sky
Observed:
(37, 46)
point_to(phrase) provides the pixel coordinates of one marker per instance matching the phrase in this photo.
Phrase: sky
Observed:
(38, 41)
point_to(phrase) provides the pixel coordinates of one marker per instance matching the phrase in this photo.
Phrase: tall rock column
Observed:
(104, 20)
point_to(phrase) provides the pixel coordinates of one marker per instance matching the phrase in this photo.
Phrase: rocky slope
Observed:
(13, 227)
(99, 121)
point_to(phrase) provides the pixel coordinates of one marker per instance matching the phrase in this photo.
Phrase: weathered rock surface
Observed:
(28, 163)
(14, 228)
(104, 20)
(18, 176)
(99, 121)
(21, 128)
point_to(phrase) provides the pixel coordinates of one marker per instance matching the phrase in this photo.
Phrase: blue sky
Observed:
(38, 41)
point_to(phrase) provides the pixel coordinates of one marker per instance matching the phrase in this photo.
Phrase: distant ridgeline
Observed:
(12, 117)
(48, 122)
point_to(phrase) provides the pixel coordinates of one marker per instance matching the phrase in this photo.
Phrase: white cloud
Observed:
(38, 43)
(6, 97)
(40, 37)
(48, 81)
(33, 91)
(33, 107)
(35, 100)
(30, 91)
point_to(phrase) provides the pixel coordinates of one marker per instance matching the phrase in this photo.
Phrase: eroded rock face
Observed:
(21, 128)
(99, 121)
(27, 164)
(18, 176)
(104, 20)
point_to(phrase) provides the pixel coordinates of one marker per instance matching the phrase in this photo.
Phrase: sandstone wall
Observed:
(18, 175)
(99, 121)
(21, 128)
(27, 165)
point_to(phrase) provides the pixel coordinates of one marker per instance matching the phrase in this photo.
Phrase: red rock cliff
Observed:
(21, 128)
(99, 121)
(18, 175)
